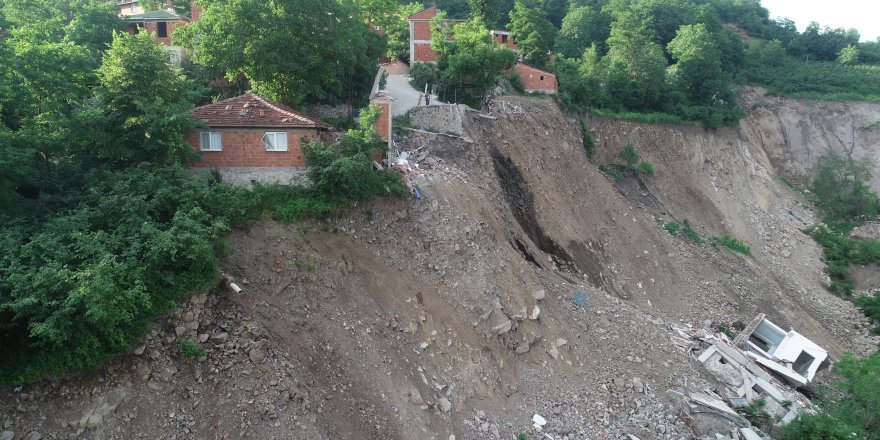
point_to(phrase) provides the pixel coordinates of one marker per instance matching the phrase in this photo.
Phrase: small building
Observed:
(251, 138)
(505, 38)
(160, 22)
(535, 79)
(420, 34)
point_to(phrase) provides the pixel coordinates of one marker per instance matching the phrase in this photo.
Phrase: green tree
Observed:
(289, 50)
(849, 55)
(487, 10)
(397, 31)
(555, 10)
(458, 9)
(577, 31)
(840, 187)
(145, 103)
(534, 35)
(468, 57)
(636, 63)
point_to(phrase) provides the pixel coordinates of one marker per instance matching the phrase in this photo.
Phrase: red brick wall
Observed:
(531, 78)
(422, 30)
(196, 10)
(423, 52)
(382, 125)
(152, 27)
(509, 43)
(243, 147)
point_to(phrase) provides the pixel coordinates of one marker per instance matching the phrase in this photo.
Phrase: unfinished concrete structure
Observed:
(787, 353)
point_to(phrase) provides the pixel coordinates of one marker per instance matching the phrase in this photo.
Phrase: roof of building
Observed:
(426, 14)
(529, 66)
(157, 15)
(250, 110)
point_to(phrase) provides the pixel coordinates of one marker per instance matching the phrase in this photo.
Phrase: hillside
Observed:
(462, 314)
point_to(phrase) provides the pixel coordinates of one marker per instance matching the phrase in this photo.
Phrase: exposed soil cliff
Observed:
(523, 281)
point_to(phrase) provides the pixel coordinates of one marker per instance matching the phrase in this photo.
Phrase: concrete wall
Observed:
(244, 148)
(152, 27)
(443, 118)
(245, 176)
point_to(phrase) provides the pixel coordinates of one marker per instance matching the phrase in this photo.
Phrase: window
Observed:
(503, 38)
(210, 141)
(542, 77)
(275, 140)
(162, 29)
(134, 7)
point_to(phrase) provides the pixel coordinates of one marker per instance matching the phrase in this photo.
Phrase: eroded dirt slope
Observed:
(524, 281)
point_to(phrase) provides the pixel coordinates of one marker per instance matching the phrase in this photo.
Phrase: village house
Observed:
(251, 138)
(505, 38)
(535, 79)
(160, 22)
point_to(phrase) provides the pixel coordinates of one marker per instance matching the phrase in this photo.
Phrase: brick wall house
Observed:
(505, 38)
(160, 23)
(535, 79)
(420, 34)
(248, 131)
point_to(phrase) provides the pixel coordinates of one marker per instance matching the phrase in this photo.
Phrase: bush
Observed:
(611, 172)
(870, 305)
(646, 167)
(189, 348)
(629, 156)
(589, 142)
(841, 191)
(672, 228)
(732, 244)
(516, 82)
(422, 74)
(688, 232)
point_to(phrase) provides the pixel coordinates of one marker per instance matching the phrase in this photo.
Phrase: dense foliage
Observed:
(851, 413)
(102, 229)
(289, 50)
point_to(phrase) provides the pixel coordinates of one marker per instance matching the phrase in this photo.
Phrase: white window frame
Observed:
(214, 141)
(275, 140)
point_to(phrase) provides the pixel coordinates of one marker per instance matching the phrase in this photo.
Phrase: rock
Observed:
(220, 338)
(180, 330)
(7, 435)
(33, 435)
(402, 214)
(786, 253)
(257, 355)
(560, 342)
(538, 420)
(192, 325)
(638, 386)
(493, 428)
(523, 347)
(139, 350)
(415, 397)
(539, 294)
(444, 404)
(553, 351)
(203, 338)
(535, 312)
(105, 406)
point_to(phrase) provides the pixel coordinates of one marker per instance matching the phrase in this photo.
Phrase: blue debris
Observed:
(580, 299)
(417, 193)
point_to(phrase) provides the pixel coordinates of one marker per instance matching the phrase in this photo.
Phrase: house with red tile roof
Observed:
(251, 133)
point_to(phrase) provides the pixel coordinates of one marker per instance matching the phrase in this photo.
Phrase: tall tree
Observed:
(555, 10)
(577, 31)
(636, 63)
(144, 101)
(469, 57)
(289, 50)
(532, 32)
(486, 10)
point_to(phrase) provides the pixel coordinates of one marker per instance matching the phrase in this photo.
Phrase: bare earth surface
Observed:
(523, 282)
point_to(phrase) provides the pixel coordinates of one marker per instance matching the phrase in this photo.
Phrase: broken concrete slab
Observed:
(788, 374)
(750, 434)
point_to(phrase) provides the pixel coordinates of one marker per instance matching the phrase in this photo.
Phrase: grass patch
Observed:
(732, 244)
(190, 349)
(589, 142)
(650, 118)
(611, 171)
(690, 233)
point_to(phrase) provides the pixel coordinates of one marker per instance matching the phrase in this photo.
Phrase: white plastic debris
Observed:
(539, 421)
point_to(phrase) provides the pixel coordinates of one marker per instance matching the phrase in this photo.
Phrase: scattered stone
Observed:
(220, 338)
(203, 338)
(257, 355)
(535, 312)
(539, 294)
(106, 405)
(445, 404)
(7, 435)
(180, 330)
(539, 421)
(415, 397)
(139, 350)
(523, 347)
(33, 435)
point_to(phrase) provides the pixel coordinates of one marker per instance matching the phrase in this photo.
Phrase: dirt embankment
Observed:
(523, 281)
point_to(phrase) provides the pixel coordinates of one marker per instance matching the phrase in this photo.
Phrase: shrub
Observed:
(732, 244)
(189, 348)
(629, 156)
(870, 305)
(589, 142)
(516, 82)
(672, 228)
(688, 232)
(646, 167)
(611, 172)
(422, 74)
(841, 190)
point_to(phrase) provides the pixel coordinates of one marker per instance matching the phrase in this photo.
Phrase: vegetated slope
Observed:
(524, 281)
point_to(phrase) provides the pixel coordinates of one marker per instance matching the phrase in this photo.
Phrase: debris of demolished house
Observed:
(763, 365)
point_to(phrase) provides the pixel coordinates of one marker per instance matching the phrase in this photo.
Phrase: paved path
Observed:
(405, 96)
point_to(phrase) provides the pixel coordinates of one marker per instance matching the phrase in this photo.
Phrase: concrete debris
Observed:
(539, 294)
(749, 434)
(535, 312)
(796, 356)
